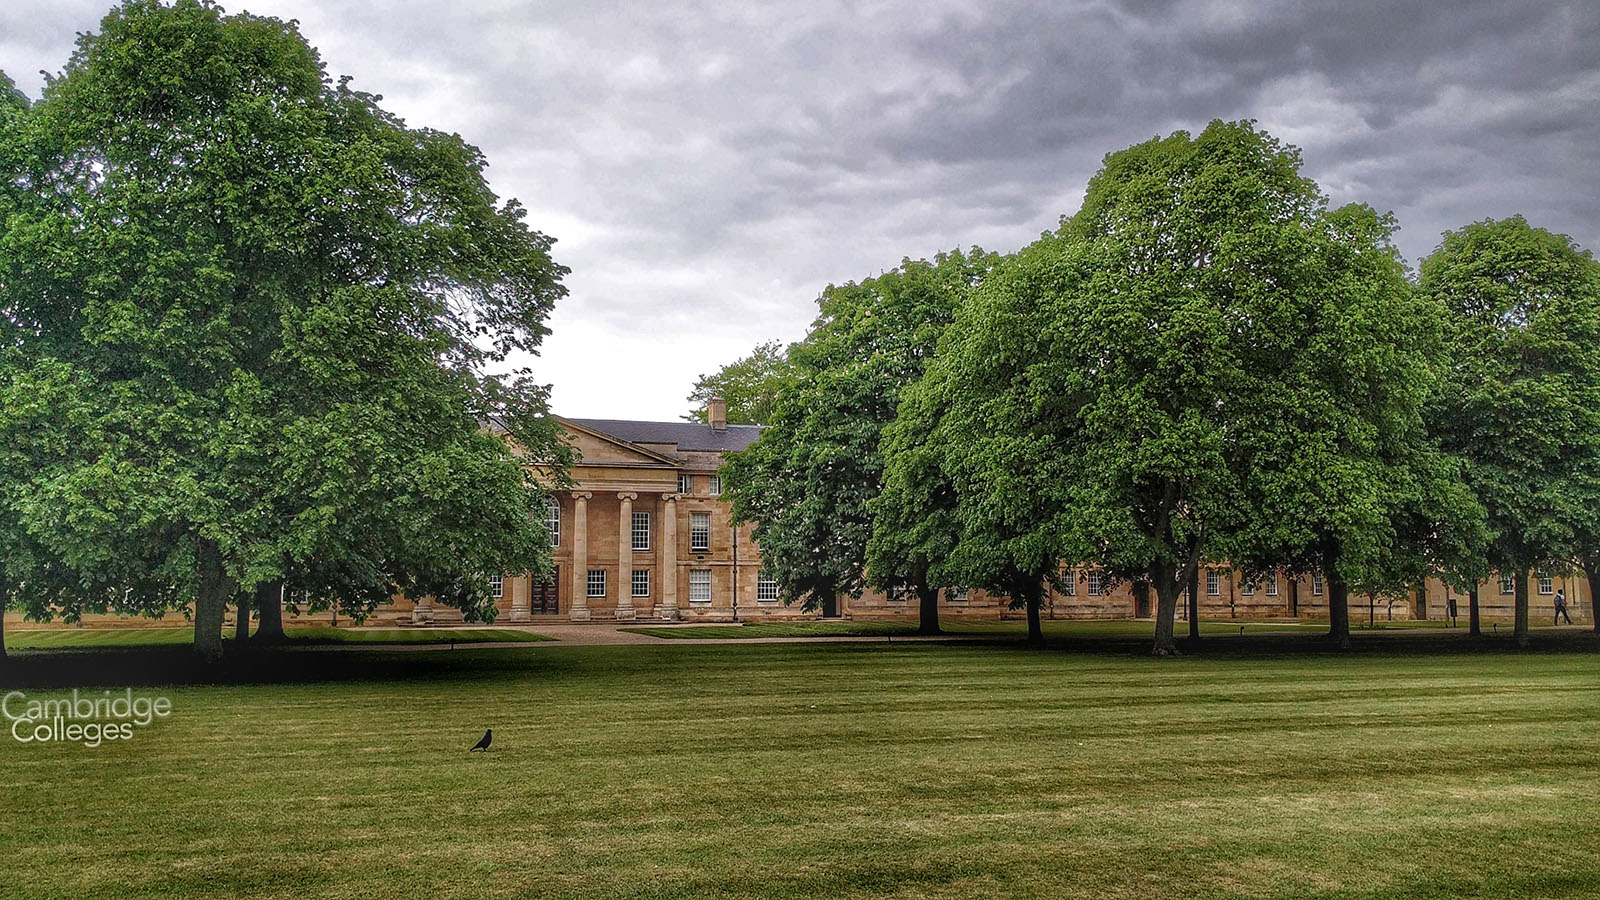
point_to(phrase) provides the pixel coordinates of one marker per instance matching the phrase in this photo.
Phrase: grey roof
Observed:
(688, 436)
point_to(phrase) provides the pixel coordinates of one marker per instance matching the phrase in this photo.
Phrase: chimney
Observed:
(717, 414)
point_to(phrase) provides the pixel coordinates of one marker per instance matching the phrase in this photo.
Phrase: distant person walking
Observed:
(1561, 608)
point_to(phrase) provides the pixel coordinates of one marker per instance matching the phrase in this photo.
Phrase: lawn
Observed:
(60, 638)
(830, 770)
(1083, 628)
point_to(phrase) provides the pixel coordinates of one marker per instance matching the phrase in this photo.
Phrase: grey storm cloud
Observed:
(708, 168)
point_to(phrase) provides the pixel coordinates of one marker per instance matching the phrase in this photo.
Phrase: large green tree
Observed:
(279, 305)
(1521, 402)
(964, 465)
(750, 385)
(808, 481)
(1340, 473)
(13, 460)
(1198, 365)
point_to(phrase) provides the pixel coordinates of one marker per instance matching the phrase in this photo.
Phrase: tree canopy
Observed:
(750, 385)
(1202, 363)
(808, 481)
(272, 309)
(1521, 401)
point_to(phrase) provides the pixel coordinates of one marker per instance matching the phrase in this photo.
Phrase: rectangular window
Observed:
(1546, 585)
(641, 531)
(685, 484)
(1069, 583)
(1213, 583)
(715, 488)
(699, 585)
(1247, 590)
(1097, 583)
(1316, 585)
(641, 582)
(1272, 586)
(553, 518)
(597, 582)
(898, 594)
(766, 588)
(700, 532)
(956, 595)
(497, 586)
(1508, 585)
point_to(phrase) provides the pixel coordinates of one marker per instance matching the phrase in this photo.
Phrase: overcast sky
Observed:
(707, 168)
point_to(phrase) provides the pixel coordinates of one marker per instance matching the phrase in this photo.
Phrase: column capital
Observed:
(582, 495)
(627, 495)
(670, 498)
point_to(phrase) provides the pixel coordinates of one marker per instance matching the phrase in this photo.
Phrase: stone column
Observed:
(519, 588)
(625, 610)
(422, 610)
(580, 556)
(668, 608)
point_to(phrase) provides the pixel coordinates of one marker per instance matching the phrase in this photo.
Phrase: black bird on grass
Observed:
(488, 735)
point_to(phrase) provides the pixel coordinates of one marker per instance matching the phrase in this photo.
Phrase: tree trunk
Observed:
(1520, 629)
(211, 602)
(1338, 610)
(269, 609)
(927, 608)
(1590, 571)
(1194, 604)
(1166, 610)
(1474, 626)
(5, 601)
(1035, 630)
(241, 621)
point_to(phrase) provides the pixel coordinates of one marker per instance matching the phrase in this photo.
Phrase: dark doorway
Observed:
(830, 608)
(544, 596)
(1141, 599)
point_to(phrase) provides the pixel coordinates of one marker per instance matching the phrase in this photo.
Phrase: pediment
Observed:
(599, 449)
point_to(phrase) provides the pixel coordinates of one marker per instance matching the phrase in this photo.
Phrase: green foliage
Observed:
(961, 471)
(1343, 474)
(1202, 363)
(1521, 402)
(750, 385)
(808, 481)
(270, 307)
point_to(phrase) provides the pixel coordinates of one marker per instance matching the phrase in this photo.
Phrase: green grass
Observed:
(829, 770)
(778, 629)
(92, 638)
(1010, 627)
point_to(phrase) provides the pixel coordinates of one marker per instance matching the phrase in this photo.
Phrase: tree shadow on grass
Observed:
(1363, 643)
(177, 665)
(147, 666)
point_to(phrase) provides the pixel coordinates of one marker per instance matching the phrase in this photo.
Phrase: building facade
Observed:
(646, 536)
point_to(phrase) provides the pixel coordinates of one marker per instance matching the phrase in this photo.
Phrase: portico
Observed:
(643, 534)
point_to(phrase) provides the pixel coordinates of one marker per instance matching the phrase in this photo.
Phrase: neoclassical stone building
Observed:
(646, 536)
